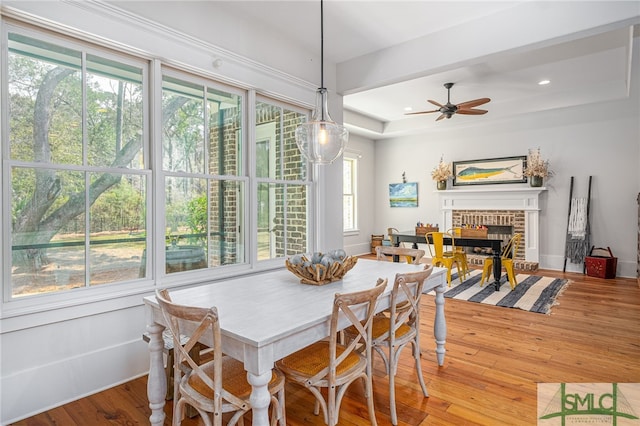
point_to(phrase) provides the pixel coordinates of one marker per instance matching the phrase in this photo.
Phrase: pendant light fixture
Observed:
(321, 140)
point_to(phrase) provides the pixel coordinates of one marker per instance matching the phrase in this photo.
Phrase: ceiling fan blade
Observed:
(471, 111)
(421, 112)
(473, 103)
(441, 117)
(435, 103)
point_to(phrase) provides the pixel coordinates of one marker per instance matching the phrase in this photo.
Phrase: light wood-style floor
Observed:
(495, 357)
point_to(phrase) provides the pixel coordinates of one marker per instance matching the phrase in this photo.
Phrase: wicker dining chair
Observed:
(412, 255)
(398, 326)
(216, 386)
(390, 232)
(334, 366)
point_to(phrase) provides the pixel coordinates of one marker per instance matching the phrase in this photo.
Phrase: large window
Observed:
(79, 169)
(283, 188)
(205, 178)
(349, 179)
(77, 179)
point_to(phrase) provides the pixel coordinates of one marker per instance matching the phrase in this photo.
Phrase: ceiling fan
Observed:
(448, 109)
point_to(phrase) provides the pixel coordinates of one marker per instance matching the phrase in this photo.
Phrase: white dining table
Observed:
(267, 316)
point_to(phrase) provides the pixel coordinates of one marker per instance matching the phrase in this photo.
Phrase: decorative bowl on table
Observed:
(319, 268)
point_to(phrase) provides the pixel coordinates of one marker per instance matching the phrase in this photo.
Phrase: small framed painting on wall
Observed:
(403, 194)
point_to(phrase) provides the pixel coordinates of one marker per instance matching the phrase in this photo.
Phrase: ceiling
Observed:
(586, 67)
(588, 70)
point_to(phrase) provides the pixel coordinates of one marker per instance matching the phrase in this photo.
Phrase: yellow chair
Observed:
(460, 253)
(508, 253)
(435, 243)
(334, 366)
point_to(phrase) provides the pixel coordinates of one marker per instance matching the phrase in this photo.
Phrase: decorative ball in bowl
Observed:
(321, 268)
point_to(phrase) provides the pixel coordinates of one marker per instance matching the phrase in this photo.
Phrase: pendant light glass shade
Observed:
(321, 140)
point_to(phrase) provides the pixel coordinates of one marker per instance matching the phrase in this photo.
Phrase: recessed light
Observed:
(544, 82)
(408, 109)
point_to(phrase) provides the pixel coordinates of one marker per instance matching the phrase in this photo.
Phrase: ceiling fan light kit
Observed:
(448, 110)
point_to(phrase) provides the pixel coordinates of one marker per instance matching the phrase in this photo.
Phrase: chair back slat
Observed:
(399, 327)
(414, 254)
(405, 298)
(345, 305)
(390, 232)
(452, 246)
(511, 249)
(194, 322)
(435, 243)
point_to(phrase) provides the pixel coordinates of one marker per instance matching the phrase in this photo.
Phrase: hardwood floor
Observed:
(495, 358)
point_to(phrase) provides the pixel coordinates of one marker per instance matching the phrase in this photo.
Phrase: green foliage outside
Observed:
(197, 218)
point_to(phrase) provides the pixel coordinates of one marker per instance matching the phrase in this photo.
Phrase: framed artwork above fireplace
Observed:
(490, 171)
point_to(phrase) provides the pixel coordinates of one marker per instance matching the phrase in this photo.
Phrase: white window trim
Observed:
(353, 156)
(35, 311)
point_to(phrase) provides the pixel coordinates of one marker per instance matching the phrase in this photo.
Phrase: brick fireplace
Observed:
(501, 224)
(504, 210)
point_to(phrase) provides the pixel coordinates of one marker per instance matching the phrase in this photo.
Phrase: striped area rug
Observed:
(533, 293)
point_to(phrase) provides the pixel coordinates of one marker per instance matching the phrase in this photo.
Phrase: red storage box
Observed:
(601, 263)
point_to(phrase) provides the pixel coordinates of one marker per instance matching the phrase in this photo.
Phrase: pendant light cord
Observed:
(321, 45)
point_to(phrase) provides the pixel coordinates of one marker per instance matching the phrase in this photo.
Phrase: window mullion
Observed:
(285, 215)
(87, 178)
(249, 141)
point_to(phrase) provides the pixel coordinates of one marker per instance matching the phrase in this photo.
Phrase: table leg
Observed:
(497, 271)
(260, 398)
(440, 324)
(157, 381)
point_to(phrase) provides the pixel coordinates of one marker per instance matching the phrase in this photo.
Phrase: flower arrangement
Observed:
(536, 166)
(442, 171)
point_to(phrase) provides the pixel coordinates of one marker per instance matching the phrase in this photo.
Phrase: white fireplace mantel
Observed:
(521, 198)
(498, 198)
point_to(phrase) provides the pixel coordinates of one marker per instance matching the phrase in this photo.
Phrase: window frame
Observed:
(352, 158)
(159, 270)
(116, 295)
(80, 295)
(310, 182)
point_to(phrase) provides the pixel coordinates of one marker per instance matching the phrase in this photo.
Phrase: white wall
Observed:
(360, 242)
(49, 358)
(598, 140)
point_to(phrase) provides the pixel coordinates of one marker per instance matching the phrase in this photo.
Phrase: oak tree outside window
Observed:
(77, 170)
(77, 177)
